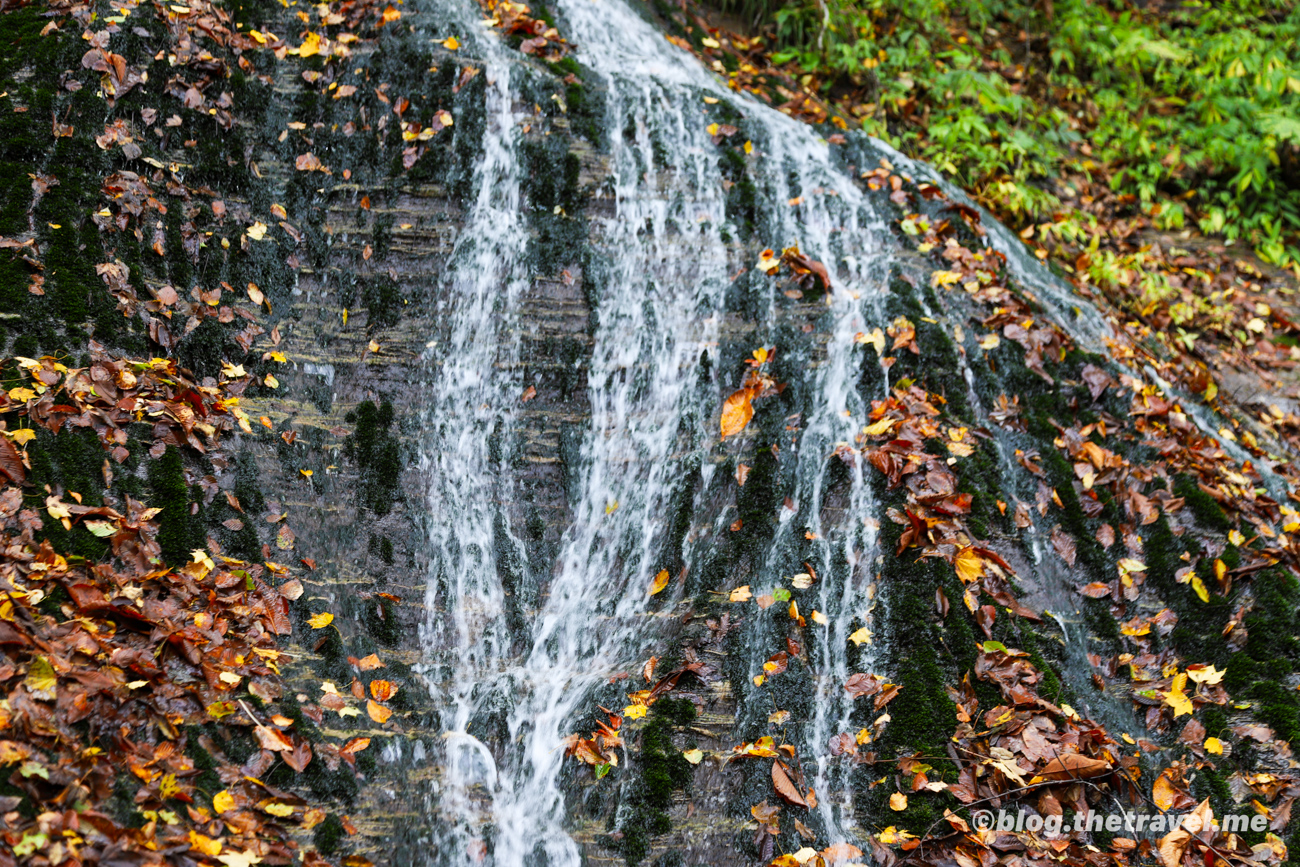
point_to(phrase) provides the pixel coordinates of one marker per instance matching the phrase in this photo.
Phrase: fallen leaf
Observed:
(785, 788)
(660, 582)
(737, 410)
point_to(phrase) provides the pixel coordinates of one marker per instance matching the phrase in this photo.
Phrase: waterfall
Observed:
(676, 265)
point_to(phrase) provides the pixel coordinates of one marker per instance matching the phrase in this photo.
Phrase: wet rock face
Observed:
(506, 361)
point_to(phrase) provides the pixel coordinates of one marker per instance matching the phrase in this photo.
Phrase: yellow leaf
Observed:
(862, 636)
(41, 680)
(391, 14)
(320, 621)
(229, 677)
(802, 581)
(736, 413)
(749, 147)
(1214, 745)
(881, 427)
(891, 836)
(223, 801)
(634, 711)
(204, 845)
(306, 473)
(270, 381)
(310, 46)
(451, 43)
(660, 582)
(819, 618)
(201, 557)
(989, 342)
(247, 858)
(1199, 586)
(22, 436)
(257, 231)
(712, 129)
(1177, 699)
(56, 508)
(693, 756)
(1205, 674)
(898, 802)
(969, 565)
(278, 809)
(21, 395)
(373, 346)
(741, 594)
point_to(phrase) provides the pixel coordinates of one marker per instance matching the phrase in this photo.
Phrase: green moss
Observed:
(328, 834)
(555, 204)
(663, 771)
(382, 296)
(168, 492)
(377, 453)
(742, 197)
(381, 622)
(207, 781)
(922, 716)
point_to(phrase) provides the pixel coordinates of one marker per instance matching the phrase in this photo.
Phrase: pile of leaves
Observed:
(116, 671)
(534, 36)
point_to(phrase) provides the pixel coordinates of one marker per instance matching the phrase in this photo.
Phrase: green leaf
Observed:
(34, 769)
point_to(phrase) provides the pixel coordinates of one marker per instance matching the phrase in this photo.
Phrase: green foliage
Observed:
(1192, 105)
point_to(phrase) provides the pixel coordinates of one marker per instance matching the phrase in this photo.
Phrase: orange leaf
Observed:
(660, 582)
(354, 746)
(378, 712)
(370, 663)
(382, 690)
(736, 413)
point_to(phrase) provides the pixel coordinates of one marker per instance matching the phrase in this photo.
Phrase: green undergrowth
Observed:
(1187, 107)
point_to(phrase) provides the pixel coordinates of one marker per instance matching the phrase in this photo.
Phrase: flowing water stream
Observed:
(662, 307)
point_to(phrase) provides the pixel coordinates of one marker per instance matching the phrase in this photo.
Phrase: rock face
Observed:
(506, 359)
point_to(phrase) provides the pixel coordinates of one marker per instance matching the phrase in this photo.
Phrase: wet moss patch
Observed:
(375, 449)
(662, 772)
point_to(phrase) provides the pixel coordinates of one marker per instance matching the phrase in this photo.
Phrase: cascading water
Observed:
(467, 635)
(671, 273)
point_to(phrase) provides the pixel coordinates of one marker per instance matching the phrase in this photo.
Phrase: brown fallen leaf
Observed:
(785, 788)
(1073, 766)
